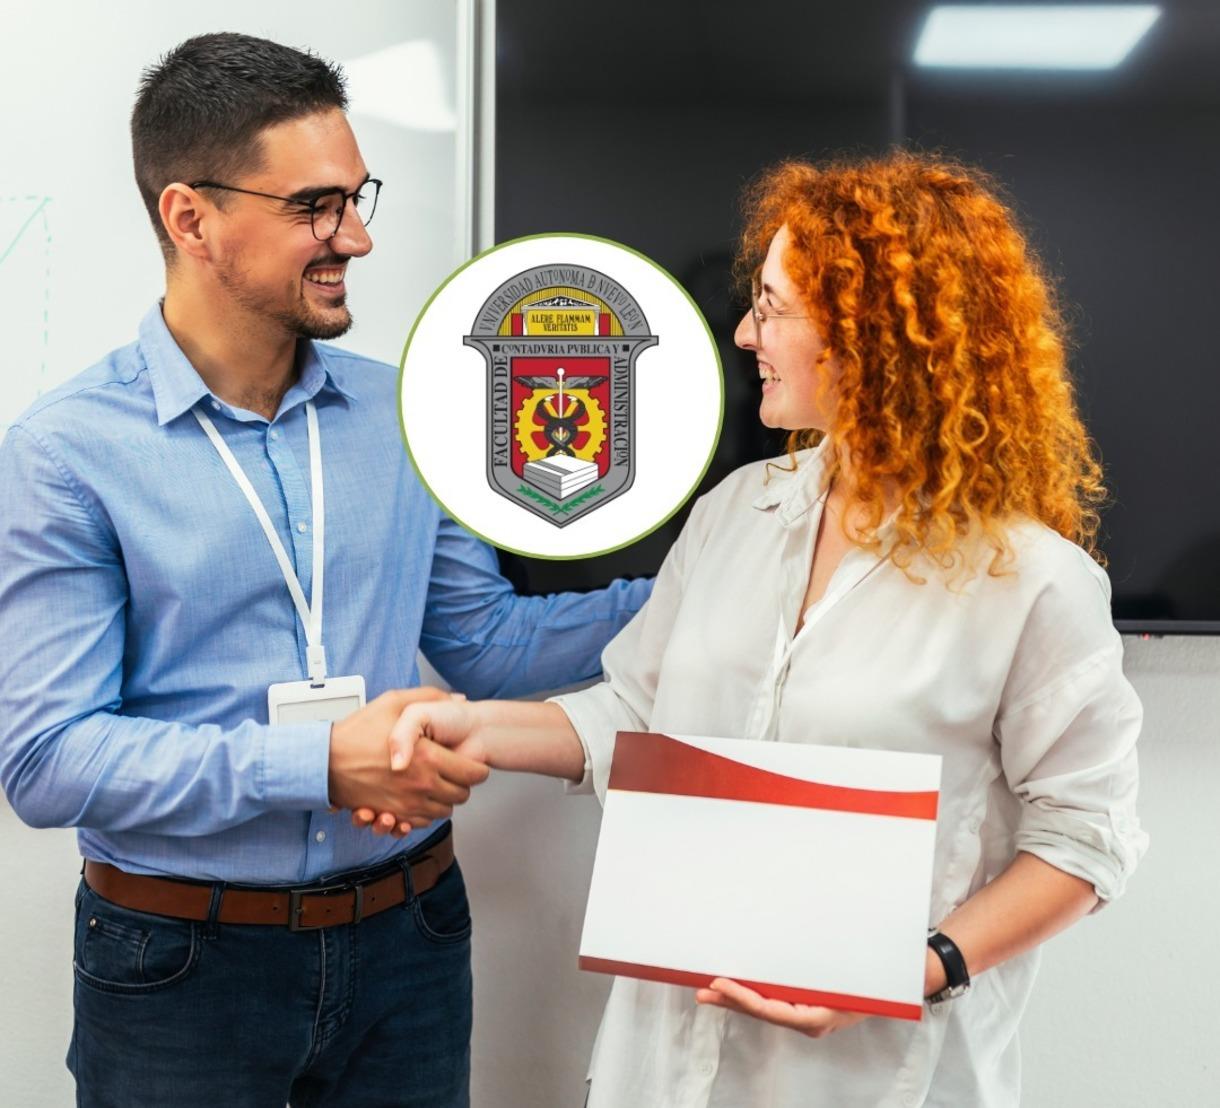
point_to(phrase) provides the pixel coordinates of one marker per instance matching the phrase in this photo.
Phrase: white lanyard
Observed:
(311, 617)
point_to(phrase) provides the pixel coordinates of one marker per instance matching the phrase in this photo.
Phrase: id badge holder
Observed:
(315, 702)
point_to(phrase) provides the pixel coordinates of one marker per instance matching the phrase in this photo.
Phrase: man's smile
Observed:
(328, 277)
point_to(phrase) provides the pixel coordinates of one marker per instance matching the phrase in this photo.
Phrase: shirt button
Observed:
(320, 837)
(706, 1068)
(216, 404)
(274, 433)
(973, 826)
(302, 527)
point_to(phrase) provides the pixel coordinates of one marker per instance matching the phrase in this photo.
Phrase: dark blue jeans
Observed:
(171, 1012)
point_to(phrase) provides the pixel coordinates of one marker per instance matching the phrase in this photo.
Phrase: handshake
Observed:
(405, 759)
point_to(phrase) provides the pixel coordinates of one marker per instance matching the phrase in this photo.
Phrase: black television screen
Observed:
(1114, 173)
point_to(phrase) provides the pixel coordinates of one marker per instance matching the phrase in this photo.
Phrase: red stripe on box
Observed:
(517, 323)
(844, 1001)
(645, 762)
(603, 323)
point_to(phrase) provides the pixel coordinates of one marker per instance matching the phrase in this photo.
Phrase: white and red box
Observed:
(802, 871)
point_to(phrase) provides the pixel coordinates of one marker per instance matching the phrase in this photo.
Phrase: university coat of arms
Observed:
(560, 344)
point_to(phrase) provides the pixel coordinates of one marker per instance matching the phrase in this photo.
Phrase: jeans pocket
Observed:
(442, 914)
(118, 950)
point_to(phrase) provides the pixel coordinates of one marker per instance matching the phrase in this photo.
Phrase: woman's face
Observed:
(786, 345)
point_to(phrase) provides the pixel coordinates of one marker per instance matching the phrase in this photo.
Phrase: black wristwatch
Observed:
(957, 977)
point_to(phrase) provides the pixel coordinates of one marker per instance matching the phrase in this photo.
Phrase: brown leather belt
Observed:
(302, 909)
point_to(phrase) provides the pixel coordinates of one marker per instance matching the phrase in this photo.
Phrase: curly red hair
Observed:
(954, 387)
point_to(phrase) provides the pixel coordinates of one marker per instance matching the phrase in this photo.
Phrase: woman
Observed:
(916, 576)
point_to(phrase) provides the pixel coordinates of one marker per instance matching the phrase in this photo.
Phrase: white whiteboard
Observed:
(79, 265)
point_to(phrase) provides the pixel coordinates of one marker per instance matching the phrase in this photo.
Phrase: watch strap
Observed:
(957, 977)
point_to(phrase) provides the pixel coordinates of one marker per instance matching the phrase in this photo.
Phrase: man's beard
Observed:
(299, 318)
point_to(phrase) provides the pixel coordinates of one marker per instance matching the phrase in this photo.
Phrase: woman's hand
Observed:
(450, 722)
(446, 720)
(805, 1018)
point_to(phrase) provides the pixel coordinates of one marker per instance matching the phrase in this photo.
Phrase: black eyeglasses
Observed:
(325, 209)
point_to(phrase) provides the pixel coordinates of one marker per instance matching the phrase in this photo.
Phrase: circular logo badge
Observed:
(561, 395)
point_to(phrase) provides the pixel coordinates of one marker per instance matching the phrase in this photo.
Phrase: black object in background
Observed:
(642, 122)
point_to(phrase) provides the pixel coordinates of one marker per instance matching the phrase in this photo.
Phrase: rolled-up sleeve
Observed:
(1068, 754)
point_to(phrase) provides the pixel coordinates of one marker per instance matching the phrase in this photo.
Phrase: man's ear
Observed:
(184, 215)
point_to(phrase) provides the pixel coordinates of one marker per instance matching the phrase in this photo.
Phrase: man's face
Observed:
(267, 257)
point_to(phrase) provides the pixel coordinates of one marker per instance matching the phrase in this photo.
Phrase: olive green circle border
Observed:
(402, 365)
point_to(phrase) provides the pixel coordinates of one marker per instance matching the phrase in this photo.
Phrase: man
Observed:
(163, 563)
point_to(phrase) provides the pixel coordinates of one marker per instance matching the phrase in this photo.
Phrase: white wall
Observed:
(1126, 1013)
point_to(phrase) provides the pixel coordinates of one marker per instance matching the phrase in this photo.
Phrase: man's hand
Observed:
(447, 721)
(360, 775)
(807, 1019)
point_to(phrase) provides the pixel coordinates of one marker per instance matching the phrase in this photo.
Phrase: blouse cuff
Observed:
(597, 715)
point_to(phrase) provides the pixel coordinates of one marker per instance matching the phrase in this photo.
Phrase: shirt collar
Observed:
(792, 492)
(177, 386)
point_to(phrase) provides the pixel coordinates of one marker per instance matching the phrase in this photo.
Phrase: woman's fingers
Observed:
(728, 994)
(446, 722)
(407, 728)
(811, 1020)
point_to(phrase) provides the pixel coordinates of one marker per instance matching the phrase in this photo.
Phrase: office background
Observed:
(1125, 1013)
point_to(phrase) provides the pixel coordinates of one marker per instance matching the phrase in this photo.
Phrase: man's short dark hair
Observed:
(200, 110)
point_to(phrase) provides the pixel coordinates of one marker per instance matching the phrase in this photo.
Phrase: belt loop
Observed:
(408, 886)
(212, 926)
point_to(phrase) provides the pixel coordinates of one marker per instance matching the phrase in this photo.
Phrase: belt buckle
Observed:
(295, 907)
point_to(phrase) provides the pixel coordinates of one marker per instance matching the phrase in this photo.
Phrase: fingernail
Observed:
(396, 761)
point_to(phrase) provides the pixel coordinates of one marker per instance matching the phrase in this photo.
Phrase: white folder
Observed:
(802, 871)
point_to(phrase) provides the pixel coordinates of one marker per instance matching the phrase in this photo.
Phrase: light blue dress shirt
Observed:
(142, 613)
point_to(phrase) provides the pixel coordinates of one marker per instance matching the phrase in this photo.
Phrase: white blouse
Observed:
(1015, 680)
